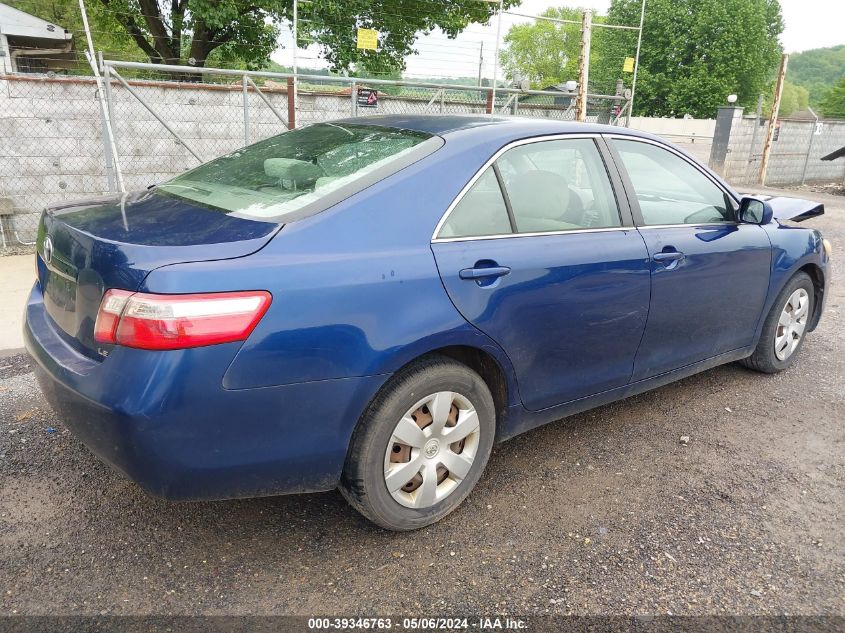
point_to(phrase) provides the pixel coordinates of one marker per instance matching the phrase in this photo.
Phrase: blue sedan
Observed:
(371, 303)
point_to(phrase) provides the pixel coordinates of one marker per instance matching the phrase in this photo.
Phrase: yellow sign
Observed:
(627, 67)
(368, 39)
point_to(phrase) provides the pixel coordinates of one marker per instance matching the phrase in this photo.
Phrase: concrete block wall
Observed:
(742, 161)
(208, 118)
(797, 145)
(52, 139)
(695, 136)
(50, 147)
(789, 153)
(802, 145)
(51, 136)
(52, 142)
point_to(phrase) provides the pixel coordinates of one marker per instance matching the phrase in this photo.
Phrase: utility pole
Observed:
(295, 47)
(112, 161)
(636, 67)
(480, 62)
(770, 134)
(810, 145)
(758, 115)
(584, 66)
(496, 57)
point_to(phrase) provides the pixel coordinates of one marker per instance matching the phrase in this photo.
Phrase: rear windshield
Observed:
(303, 170)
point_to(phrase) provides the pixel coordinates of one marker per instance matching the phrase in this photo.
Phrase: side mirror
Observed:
(754, 211)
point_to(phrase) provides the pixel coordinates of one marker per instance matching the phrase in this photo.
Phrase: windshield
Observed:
(274, 178)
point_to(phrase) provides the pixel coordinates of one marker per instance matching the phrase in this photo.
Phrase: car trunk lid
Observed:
(88, 247)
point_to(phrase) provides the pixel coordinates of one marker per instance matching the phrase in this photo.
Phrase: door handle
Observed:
(669, 259)
(673, 256)
(482, 273)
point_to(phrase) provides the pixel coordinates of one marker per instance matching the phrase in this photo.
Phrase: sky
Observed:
(808, 24)
(812, 24)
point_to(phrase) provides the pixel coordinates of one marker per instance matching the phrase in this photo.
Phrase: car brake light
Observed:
(108, 316)
(161, 322)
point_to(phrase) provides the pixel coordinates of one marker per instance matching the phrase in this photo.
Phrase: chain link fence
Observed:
(51, 149)
(54, 148)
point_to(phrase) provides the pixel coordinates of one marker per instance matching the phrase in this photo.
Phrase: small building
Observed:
(31, 45)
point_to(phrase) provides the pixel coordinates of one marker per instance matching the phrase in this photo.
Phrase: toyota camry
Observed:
(369, 304)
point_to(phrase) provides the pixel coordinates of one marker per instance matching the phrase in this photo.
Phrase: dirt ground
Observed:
(603, 513)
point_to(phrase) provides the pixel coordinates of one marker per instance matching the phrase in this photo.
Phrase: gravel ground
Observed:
(17, 249)
(607, 512)
(832, 188)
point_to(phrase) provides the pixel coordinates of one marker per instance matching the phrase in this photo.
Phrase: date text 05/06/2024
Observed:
(421, 623)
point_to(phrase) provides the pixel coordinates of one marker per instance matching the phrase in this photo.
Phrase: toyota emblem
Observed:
(48, 250)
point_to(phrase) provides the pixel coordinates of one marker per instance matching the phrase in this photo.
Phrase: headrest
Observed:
(539, 194)
(291, 169)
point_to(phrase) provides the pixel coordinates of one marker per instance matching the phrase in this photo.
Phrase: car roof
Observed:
(515, 126)
(488, 133)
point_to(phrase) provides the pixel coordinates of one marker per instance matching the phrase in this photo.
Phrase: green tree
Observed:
(188, 31)
(833, 103)
(696, 52)
(793, 99)
(796, 97)
(817, 70)
(331, 24)
(243, 33)
(544, 52)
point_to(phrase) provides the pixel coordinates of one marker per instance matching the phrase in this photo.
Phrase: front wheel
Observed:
(421, 445)
(785, 327)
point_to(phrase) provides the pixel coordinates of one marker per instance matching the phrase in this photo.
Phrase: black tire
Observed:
(764, 359)
(363, 480)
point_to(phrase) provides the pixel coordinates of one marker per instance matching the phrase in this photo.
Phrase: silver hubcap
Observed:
(791, 323)
(432, 449)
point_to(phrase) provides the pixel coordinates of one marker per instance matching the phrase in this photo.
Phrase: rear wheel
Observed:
(785, 327)
(421, 445)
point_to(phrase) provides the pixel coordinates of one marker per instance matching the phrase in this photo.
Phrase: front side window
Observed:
(669, 189)
(558, 185)
(480, 212)
(274, 178)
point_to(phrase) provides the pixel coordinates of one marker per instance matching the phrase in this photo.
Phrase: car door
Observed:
(710, 273)
(535, 253)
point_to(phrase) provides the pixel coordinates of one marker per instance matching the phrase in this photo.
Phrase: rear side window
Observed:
(307, 168)
(669, 190)
(558, 186)
(480, 212)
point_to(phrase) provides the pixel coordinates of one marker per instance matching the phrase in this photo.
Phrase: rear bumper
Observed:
(165, 420)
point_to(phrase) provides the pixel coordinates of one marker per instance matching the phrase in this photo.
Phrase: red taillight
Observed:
(108, 317)
(149, 321)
